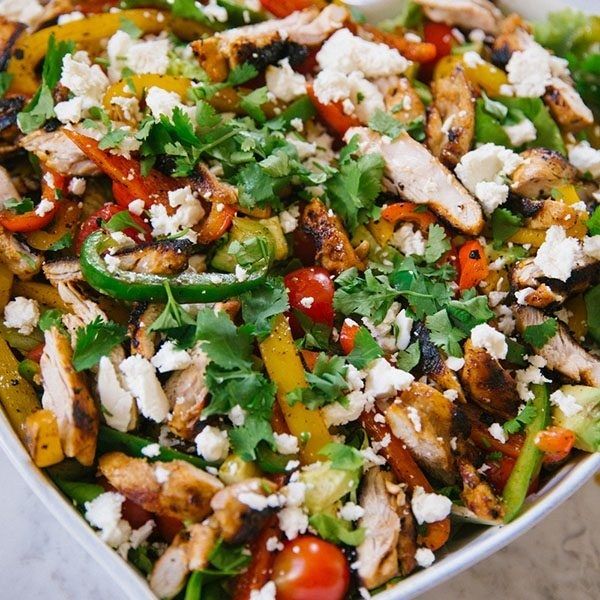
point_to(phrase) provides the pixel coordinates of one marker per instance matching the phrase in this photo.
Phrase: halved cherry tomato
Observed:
(440, 35)
(499, 472)
(311, 292)
(168, 527)
(284, 8)
(473, 265)
(409, 211)
(332, 114)
(309, 568)
(347, 334)
(93, 223)
(556, 443)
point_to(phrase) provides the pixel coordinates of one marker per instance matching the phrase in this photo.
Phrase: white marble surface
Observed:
(557, 560)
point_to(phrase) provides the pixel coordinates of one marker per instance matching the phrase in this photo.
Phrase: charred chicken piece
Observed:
(157, 258)
(468, 14)
(143, 341)
(477, 494)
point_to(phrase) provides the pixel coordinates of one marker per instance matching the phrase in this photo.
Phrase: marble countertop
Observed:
(558, 559)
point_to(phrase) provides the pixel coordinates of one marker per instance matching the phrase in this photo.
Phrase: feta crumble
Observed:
(497, 432)
(283, 82)
(351, 512)
(484, 336)
(212, 444)
(429, 508)
(286, 443)
(104, 513)
(383, 380)
(171, 358)
(424, 557)
(22, 314)
(565, 402)
(151, 450)
(559, 253)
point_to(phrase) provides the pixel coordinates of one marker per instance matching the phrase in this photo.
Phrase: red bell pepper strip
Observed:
(472, 265)
(219, 220)
(483, 439)
(556, 443)
(123, 197)
(407, 471)
(284, 8)
(347, 335)
(332, 114)
(421, 52)
(407, 211)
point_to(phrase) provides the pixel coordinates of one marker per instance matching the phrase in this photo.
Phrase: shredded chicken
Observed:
(64, 270)
(470, 14)
(414, 173)
(561, 352)
(67, 396)
(175, 489)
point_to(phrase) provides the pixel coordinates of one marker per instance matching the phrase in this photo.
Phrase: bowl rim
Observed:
(562, 485)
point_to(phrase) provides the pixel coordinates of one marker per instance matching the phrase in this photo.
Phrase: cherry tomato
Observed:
(347, 335)
(132, 512)
(440, 35)
(309, 568)
(168, 527)
(310, 292)
(92, 223)
(556, 443)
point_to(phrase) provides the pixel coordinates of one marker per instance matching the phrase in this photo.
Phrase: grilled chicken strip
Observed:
(543, 291)
(239, 522)
(540, 172)
(414, 173)
(9, 33)
(451, 118)
(58, 152)
(477, 494)
(401, 98)
(334, 250)
(187, 391)
(157, 258)
(561, 352)
(64, 270)
(189, 551)
(67, 396)
(488, 383)
(378, 553)
(208, 186)
(423, 418)
(551, 213)
(469, 14)
(175, 489)
(143, 342)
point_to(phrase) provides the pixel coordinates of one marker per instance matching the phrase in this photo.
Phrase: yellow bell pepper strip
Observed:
(285, 369)
(43, 439)
(67, 217)
(6, 282)
(88, 33)
(17, 396)
(577, 316)
(529, 462)
(567, 193)
(484, 74)
(43, 293)
(381, 230)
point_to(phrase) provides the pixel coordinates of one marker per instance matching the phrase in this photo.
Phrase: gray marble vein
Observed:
(557, 560)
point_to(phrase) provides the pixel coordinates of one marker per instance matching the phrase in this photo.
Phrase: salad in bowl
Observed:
(291, 293)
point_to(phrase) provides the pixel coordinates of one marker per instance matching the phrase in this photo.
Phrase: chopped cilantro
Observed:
(51, 318)
(96, 340)
(260, 305)
(336, 530)
(593, 223)
(365, 349)
(444, 334)
(66, 241)
(437, 243)
(504, 224)
(525, 416)
(387, 124)
(22, 206)
(122, 220)
(538, 335)
(408, 359)
(245, 439)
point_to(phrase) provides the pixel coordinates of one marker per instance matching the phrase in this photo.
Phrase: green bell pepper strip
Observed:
(529, 462)
(186, 287)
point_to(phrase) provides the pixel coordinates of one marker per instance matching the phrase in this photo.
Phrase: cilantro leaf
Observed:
(525, 416)
(386, 124)
(443, 334)
(593, 223)
(504, 224)
(51, 318)
(174, 321)
(252, 103)
(66, 241)
(228, 558)
(408, 359)
(263, 303)
(326, 383)
(246, 438)
(123, 220)
(466, 314)
(21, 206)
(342, 457)
(316, 335)
(538, 335)
(336, 530)
(96, 340)
(365, 350)
(437, 243)
(130, 28)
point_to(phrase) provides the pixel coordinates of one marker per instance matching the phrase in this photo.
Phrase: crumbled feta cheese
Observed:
(212, 444)
(76, 15)
(351, 512)
(289, 218)
(520, 133)
(452, 395)
(294, 492)
(22, 314)
(77, 186)
(585, 159)
(530, 71)
(189, 212)
(23, 11)
(484, 336)
(286, 443)
(151, 450)
(424, 557)
(283, 82)
(266, 592)
(566, 403)
(591, 246)
(521, 295)
(409, 240)
(161, 474)
(142, 382)
(104, 513)
(138, 55)
(113, 263)
(491, 195)
(557, 256)
(497, 432)
(345, 52)
(171, 358)
(297, 123)
(129, 107)
(292, 521)
(161, 102)
(214, 12)
(237, 415)
(455, 363)
(383, 332)
(70, 111)
(307, 302)
(525, 377)
(477, 35)
(403, 328)
(84, 79)
(273, 544)
(494, 298)
(136, 207)
(240, 273)
(118, 403)
(472, 59)
(429, 508)
(506, 319)
(338, 414)
(372, 459)
(383, 380)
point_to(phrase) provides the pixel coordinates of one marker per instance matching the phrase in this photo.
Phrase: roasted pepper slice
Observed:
(186, 287)
(473, 265)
